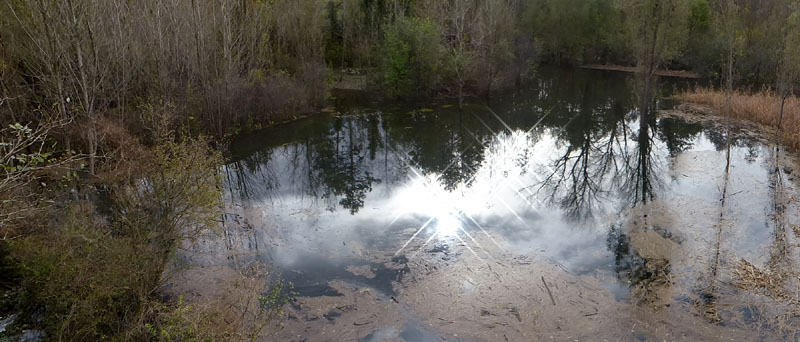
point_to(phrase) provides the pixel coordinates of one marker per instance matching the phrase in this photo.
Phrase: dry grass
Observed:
(762, 108)
(780, 286)
(754, 279)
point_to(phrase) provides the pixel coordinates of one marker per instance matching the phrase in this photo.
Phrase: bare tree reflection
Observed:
(615, 163)
(639, 178)
(639, 182)
(779, 262)
(249, 178)
(596, 153)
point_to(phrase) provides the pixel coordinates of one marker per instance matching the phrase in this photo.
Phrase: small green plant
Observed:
(25, 155)
(271, 305)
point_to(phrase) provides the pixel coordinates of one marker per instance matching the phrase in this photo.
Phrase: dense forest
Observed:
(222, 65)
(96, 95)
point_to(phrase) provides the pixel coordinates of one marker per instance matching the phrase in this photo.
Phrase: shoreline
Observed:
(667, 73)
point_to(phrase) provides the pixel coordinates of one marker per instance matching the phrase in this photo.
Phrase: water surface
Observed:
(385, 197)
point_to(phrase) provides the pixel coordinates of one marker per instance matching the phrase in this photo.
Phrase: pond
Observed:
(549, 213)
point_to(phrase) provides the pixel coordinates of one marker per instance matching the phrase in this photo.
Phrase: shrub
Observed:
(86, 282)
(412, 55)
(95, 277)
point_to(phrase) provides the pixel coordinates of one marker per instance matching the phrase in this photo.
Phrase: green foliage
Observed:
(179, 196)
(701, 15)
(575, 30)
(789, 69)
(729, 26)
(25, 153)
(94, 277)
(702, 46)
(656, 30)
(396, 63)
(411, 57)
(14, 156)
(87, 283)
(599, 31)
(333, 32)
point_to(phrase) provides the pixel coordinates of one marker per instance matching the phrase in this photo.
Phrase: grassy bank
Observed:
(762, 108)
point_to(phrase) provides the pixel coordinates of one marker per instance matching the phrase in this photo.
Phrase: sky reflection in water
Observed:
(549, 169)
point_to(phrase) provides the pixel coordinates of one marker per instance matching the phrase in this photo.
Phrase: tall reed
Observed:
(762, 107)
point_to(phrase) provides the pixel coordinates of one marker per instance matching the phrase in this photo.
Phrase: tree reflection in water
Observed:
(340, 161)
(570, 141)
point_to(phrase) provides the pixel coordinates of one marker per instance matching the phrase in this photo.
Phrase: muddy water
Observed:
(550, 214)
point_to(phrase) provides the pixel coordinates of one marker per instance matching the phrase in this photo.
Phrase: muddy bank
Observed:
(668, 73)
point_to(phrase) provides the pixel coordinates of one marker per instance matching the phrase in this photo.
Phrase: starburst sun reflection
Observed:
(497, 187)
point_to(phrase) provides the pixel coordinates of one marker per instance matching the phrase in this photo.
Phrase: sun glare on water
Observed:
(447, 225)
(453, 215)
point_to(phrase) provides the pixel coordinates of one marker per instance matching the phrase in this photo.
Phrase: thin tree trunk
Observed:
(344, 31)
(729, 109)
(87, 103)
(780, 116)
(460, 94)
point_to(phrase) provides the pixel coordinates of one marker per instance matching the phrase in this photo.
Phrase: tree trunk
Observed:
(780, 116)
(460, 94)
(344, 31)
(87, 99)
(729, 109)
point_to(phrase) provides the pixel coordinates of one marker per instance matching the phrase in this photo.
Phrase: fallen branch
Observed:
(548, 291)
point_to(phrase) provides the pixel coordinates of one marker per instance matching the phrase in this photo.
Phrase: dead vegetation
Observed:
(223, 303)
(780, 286)
(766, 282)
(762, 107)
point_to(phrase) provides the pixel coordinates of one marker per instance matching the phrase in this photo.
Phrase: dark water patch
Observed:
(750, 314)
(381, 335)
(440, 248)
(413, 331)
(311, 275)
(666, 234)
(400, 259)
(332, 315)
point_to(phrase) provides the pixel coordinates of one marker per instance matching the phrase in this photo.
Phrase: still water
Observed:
(511, 219)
